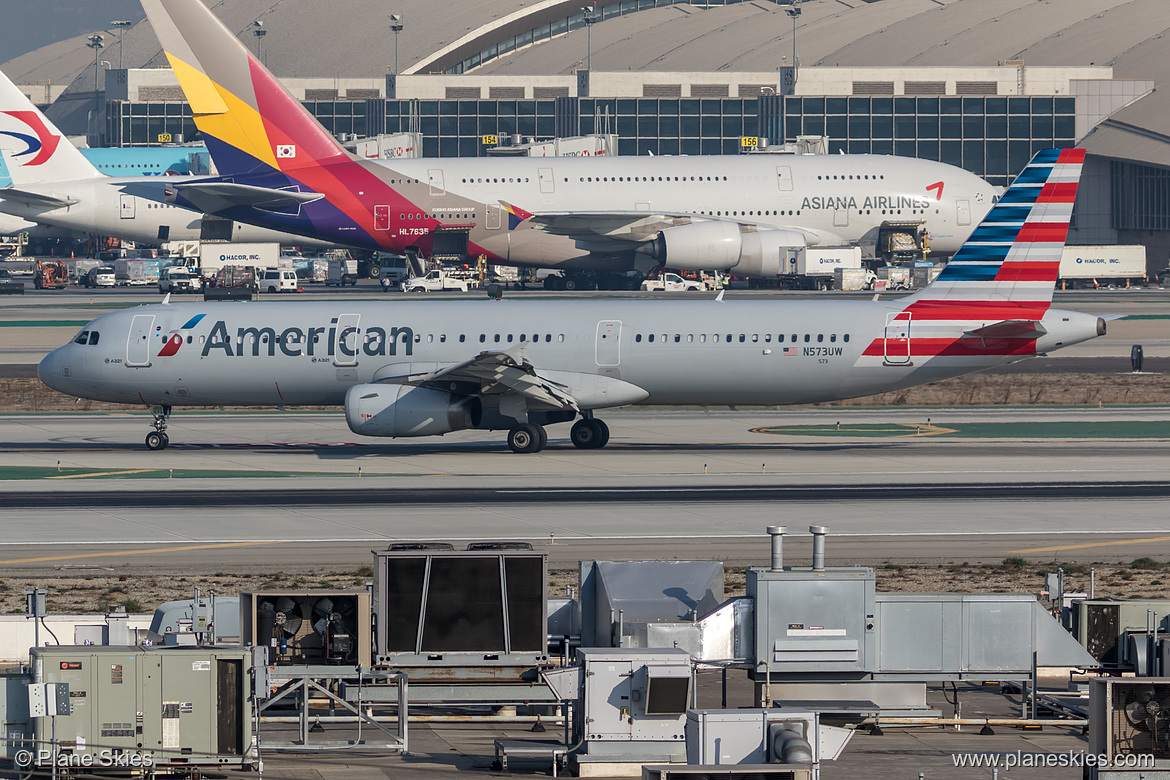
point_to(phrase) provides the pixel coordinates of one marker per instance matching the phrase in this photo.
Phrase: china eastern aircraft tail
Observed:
(33, 147)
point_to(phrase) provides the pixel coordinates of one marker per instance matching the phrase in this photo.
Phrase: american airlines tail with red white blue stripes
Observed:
(991, 303)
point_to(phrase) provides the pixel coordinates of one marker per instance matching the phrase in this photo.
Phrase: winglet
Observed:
(166, 301)
(719, 297)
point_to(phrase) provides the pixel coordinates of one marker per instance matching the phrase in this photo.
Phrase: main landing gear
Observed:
(586, 434)
(158, 439)
(589, 433)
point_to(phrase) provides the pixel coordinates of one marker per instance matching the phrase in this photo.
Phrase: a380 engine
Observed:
(723, 246)
(402, 410)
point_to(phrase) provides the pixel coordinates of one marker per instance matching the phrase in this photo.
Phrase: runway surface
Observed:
(268, 490)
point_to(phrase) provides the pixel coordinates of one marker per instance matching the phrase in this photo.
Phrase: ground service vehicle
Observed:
(342, 271)
(278, 280)
(8, 285)
(179, 279)
(102, 276)
(435, 281)
(670, 282)
(1102, 266)
(50, 275)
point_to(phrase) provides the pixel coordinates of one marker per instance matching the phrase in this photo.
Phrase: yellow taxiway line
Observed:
(105, 474)
(119, 553)
(1096, 544)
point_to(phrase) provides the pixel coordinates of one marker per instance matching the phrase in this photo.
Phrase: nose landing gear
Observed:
(158, 439)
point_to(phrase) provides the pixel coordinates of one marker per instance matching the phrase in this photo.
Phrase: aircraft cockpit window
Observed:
(83, 338)
(93, 338)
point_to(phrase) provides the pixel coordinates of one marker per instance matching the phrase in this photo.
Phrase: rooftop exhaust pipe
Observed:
(819, 533)
(777, 533)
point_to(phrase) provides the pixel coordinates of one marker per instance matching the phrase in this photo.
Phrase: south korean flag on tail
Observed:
(286, 151)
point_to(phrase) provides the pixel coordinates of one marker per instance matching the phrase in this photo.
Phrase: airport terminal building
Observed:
(980, 86)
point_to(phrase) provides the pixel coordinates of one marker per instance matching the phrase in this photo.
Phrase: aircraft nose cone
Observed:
(53, 370)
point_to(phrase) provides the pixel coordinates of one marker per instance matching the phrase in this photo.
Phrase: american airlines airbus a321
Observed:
(423, 368)
(747, 214)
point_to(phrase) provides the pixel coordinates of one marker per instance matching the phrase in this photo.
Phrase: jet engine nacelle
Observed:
(766, 253)
(719, 245)
(402, 410)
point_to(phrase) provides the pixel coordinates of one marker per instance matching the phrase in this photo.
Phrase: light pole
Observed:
(396, 27)
(122, 26)
(793, 11)
(259, 31)
(587, 16)
(95, 43)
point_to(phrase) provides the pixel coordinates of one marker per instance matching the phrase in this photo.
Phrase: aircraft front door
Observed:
(547, 180)
(609, 334)
(493, 217)
(435, 179)
(784, 178)
(126, 210)
(349, 340)
(138, 342)
(897, 339)
(381, 217)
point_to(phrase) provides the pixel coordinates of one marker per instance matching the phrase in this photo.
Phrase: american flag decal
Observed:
(793, 351)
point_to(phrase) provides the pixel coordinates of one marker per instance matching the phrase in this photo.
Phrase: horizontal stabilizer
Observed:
(36, 198)
(1010, 329)
(213, 197)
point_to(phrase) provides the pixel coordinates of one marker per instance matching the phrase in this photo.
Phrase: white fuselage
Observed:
(677, 352)
(130, 208)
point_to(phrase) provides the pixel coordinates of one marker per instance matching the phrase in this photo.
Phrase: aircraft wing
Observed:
(599, 230)
(213, 197)
(1009, 329)
(36, 198)
(495, 373)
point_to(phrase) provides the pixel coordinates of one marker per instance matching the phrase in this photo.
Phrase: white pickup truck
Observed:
(669, 282)
(435, 281)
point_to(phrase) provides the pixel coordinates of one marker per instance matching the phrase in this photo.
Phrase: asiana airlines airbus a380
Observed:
(748, 215)
(423, 368)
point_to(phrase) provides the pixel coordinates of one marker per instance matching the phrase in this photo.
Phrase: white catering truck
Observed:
(213, 257)
(1102, 266)
(814, 267)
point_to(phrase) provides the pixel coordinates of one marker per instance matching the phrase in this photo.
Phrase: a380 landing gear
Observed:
(589, 433)
(158, 439)
(527, 437)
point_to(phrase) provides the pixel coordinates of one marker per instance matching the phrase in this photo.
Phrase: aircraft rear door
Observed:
(126, 210)
(493, 217)
(349, 340)
(963, 212)
(609, 334)
(897, 339)
(138, 342)
(381, 217)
